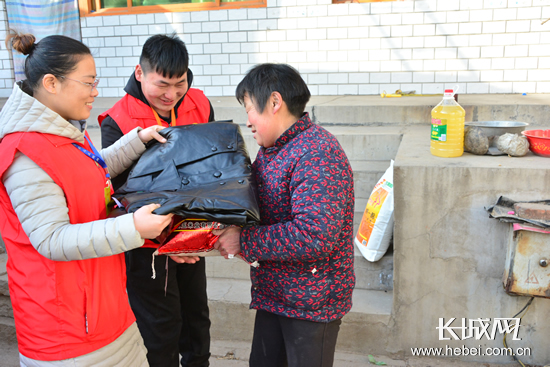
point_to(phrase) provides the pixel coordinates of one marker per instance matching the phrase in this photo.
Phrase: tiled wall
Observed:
(6, 65)
(483, 46)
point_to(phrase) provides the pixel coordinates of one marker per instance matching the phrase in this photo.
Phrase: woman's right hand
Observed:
(150, 225)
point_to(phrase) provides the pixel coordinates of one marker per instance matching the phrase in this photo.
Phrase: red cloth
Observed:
(62, 309)
(129, 112)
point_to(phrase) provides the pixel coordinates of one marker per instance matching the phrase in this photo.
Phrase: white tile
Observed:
(543, 87)
(445, 53)
(89, 32)
(524, 87)
(412, 65)
(184, 17)
(350, 89)
(391, 66)
(536, 26)
(403, 77)
(228, 26)
(391, 43)
(433, 65)
(114, 62)
(477, 88)
(239, 58)
(328, 89)
(494, 27)
(276, 12)
(356, 55)
(359, 78)
(412, 18)
(130, 61)
(530, 13)
(528, 62)
(369, 66)
(146, 19)
(538, 75)
(384, 31)
(468, 76)
(470, 28)
(369, 20)
(336, 33)
(248, 25)
(212, 69)
(480, 40)
(194, 27)
(222, 59)
(381, 8)
(267, 24)
(445, 76)
(539, 50)
(495, 4)
(156, 28)
(471, 4)
(377, 55)
(424, 30)
(287, 24)
(317, 56)
(468, 52)
(513, 26)
(458, 64)
(516, 51)
(337, 56)
(237, 14)
(515, 75)
(492, 76)
(433, 88)
(200, 60)
(348, 44)
(423, 53)
(359, 9)
(200, 38)
(401, 54)
(317, 11)
(505, 14)
(222, 37)
(339, 78)
(500, 87)
(504, 39)
(297, 12)
(380, 77)
(316, 34)
(128, 19)
(435, 17)
(492, 51)
(296, 35)
(213, 91)
(413, 42)
(94, 21)
(319, 79)
(447, 5)
(124, 51)
(454, 41)
(125, 71)
(163, 18)
(402, 6)
(458, 16)
(368, 89)
(312, 45)
(348, 21)
(481, 15)
(479, 64)
(252, 47)
(425, 6)
(369, 43)
(195, 49)
(308, 23)
(210, 27)
(446, 29)
(401, 30)
(198, 16)
(107, 72)
(390, 19)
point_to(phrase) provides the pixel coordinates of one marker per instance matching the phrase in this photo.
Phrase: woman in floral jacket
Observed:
(304, 246)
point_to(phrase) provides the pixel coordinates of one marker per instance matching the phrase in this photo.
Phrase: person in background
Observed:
(304, 244)
(172, 309)
(65, 264)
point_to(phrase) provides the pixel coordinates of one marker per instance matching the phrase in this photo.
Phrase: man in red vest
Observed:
(172, 309)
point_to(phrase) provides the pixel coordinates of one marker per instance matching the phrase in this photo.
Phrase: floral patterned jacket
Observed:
(304, 244)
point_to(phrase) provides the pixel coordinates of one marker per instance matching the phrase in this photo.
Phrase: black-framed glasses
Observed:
(91, 85)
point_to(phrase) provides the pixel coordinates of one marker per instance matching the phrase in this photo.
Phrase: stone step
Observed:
(366, 174)
(8, 343)
(365, 325)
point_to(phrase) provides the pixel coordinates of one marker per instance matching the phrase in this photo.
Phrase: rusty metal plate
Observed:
(527, 272)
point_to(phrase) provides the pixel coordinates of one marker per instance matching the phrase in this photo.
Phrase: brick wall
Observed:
(6, 64)
(484, 46)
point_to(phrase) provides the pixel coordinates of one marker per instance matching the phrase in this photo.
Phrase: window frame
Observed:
(85, 7)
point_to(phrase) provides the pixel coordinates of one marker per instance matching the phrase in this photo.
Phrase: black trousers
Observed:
(171, 310)
(280, 341)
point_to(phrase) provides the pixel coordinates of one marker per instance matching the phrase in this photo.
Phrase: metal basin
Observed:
(496, 128)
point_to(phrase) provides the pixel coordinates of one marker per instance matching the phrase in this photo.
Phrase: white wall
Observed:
(6, 64)
(484, 46)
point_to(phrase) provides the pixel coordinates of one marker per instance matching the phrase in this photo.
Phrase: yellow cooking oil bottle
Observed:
(447, 138)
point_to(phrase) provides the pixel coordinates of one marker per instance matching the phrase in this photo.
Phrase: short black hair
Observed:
(264, 79)
(166, 55)
(56, 55)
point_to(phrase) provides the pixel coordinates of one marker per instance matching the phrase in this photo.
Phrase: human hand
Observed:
(184, 259)
(151, 133)
(229, 241)
(150, 225)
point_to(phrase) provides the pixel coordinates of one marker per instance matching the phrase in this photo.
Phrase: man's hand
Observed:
(229, 242)
(151, 133)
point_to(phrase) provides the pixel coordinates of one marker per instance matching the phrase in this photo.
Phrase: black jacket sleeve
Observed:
(110, 133)
(211, 117)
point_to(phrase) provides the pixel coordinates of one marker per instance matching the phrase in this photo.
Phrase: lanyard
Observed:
(95, 155)
(173, 117)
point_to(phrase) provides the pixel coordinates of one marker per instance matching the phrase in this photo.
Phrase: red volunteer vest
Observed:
(129, 112)
(62, 309)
